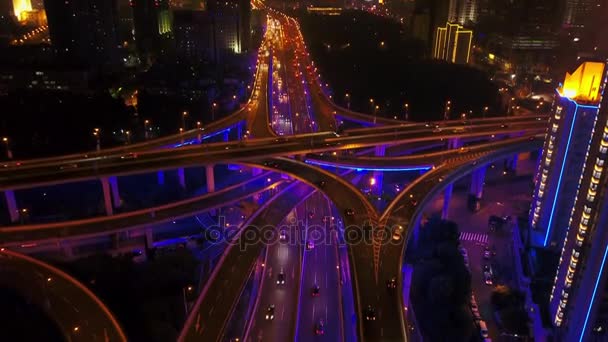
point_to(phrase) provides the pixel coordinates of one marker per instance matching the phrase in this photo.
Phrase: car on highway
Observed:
(483, 329)
(349, 212)
(396, 235)
(316, 291)
(487, 278)
(486, 253)
(270, 312)
(392, 283)
(68, 166)
(281, 278)
(282, 235)
(310, 245)
(370, 313)
(311, 214)
(129, 156)
(320, 327)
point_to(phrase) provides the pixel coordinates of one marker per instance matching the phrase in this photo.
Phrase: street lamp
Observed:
(213, 108)
(407, 111)
(97, 135)
(376, 113)
(146, 128)
(347, 100)
(446, 112)
(485, 111)
(9, 153)
(184, 114)
(128, 133)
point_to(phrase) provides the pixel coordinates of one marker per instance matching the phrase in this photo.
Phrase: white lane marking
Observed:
(313, 311)
(283, 313)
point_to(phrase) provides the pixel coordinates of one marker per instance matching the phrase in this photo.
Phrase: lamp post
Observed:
(128, 133)
(347, 100)
(485, 112)
(407, 111)
(97, 135)
(446, 112)
(146, 129)
(213, 108)
(184, 115)
(9, 153)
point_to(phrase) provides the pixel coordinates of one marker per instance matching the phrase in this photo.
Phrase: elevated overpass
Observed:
(78, 313)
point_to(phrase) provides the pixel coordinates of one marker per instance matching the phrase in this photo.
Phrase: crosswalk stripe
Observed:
(468, 236)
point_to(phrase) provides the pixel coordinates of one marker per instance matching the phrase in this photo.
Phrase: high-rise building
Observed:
(427, 15)
(570, 203)
(463, 11)
(20, 7)
(231, 25)
(153, 22)
(452, 43)
(194, 35)
(578, 12)
(84, 31)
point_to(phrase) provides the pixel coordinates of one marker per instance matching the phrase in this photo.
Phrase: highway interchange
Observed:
(315, 191)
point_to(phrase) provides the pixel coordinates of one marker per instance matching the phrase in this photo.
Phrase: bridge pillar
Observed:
(512, 163)
(476, 190)
(115, 193)
(378, 176)
(210, 178)
(225, 136)
(11, 205)
(160, 176)
(67, 249)
(149, 238)
(454, 143)
(239, 131)
(447, 196)
(107, 197)
(181, 176)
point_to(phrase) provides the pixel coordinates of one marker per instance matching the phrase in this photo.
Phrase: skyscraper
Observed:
(570, 204)
(578, 12)
(452, 43)
(153, 22)
(463, 11)
(84, 31)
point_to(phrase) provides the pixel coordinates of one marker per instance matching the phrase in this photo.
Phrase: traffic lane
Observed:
(212, 309)
(134, 220)
(320, 270)
(281, 257)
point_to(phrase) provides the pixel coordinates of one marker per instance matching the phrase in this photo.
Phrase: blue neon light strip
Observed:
(190, 142)
(561, 173)
(597, 283)
(359, 168)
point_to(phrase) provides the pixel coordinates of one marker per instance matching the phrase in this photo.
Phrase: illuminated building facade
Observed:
(193, 35)
(577, 12)
(570, 208)
(452, 43)
(20, 7)
(153, 23)
(463, 11)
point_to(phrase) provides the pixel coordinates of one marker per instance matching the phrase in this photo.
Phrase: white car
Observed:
(282, 236)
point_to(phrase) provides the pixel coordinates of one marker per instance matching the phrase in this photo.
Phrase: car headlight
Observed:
(278, 282)
(266, 316)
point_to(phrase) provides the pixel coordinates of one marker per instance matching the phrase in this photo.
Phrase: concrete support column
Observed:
(181, 176)
(67, 249)
(446, 201)
(476, 190)
(160, 176)
(107, 197)
(115, 193)
(378, 176)
(454, 143)
(210, 178)
(11, 205)
(149, 238)
(225, 136)
(239, 128)
(514, 160)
